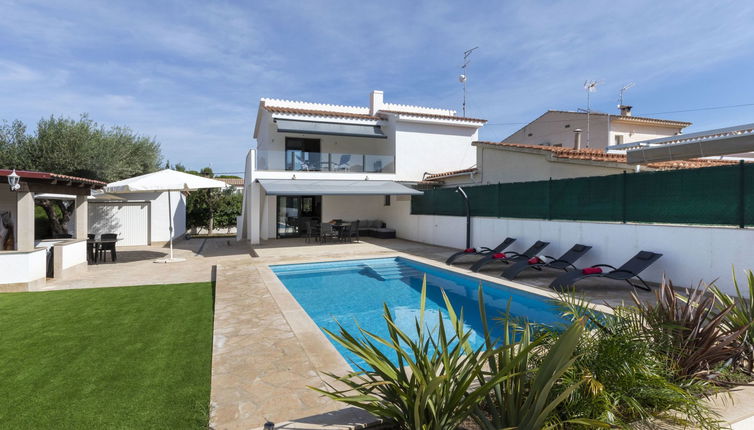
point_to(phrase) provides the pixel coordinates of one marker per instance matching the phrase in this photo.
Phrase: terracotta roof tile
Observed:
(434, 116)
(601, 156)
(46, 175)
(236, 182)
(313, 112)
(435, 176)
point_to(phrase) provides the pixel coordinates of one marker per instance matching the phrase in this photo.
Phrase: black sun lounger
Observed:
(630, 270)
(510, 256)
(482, 251)
(565, 262)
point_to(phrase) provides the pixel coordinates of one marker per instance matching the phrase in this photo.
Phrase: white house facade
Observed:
(317, 162)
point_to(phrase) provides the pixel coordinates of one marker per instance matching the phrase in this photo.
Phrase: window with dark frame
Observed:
(387, 200)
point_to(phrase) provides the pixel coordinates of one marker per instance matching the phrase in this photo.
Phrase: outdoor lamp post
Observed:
(13, 180)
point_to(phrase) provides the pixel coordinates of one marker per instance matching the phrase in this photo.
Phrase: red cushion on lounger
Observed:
(591, 270)
(469, 250)
(535, 260)
(498, 256)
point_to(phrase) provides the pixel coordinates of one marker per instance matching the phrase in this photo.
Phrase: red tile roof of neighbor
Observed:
(435, 176)
(602, 156)
(52, 176)
(335, 114)
(236, 182)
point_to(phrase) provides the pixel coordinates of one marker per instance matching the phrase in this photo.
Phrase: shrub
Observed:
(432, 384)
(740, 316)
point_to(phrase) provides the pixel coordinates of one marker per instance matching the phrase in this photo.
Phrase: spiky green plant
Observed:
(689, 329)
(741, 314)
(527, 400)
(432, 386)
(627, 380)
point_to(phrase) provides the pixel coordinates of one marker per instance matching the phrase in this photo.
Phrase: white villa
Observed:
(318, 162)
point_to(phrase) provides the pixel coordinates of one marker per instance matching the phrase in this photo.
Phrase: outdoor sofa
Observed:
(375, 228)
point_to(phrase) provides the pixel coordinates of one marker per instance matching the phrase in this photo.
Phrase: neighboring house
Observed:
(236, 183)
(321, 162)
(500, 162)
(569, 129)
(139, 218)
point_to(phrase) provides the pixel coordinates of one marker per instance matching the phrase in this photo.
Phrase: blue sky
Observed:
(191, 73)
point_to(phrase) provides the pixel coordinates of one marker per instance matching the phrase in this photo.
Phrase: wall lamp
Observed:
(13, 180)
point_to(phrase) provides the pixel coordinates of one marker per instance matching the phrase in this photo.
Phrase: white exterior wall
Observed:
(550, 129)
(690, 254)
(23, 267)
(351, 208)
(503, 166)
(426, 147)
(70, 254)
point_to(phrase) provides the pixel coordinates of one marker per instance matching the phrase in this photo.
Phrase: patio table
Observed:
(92, 245)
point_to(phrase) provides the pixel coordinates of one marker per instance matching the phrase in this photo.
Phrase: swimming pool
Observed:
(352, 293)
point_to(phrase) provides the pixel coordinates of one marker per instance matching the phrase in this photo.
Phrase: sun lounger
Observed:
(565, 262)
(481, 251)
(510, 256)
(626, 272)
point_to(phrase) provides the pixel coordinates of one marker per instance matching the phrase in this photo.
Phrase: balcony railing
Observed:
(302, 161)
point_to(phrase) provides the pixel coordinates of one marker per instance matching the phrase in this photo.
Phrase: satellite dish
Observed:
(461, 78)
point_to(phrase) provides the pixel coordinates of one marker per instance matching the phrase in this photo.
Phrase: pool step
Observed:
(394, 272)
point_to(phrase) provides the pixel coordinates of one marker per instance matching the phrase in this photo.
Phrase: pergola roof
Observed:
(46, 182)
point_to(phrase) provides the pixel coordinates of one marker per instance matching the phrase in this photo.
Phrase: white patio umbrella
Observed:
(164, 180)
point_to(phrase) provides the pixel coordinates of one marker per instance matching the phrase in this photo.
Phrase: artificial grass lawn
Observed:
(128, 357)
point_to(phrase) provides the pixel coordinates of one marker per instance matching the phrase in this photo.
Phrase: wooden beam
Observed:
(57, 189)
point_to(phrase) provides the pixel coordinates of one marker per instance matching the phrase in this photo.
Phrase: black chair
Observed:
(483, 251)
(91, 257)
(107, 246)
(349, 232)
(510, 256)
(327, 232)
(312, 231)
(565, 262)
(631, 269)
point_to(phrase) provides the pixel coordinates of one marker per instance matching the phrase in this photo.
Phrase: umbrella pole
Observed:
(170, 218)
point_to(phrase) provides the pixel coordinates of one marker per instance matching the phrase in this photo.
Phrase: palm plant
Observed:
(432, 384)
(527, 400)
(689, 329)
(741, 314)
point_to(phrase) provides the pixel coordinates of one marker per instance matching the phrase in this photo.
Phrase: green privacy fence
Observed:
(713, 195)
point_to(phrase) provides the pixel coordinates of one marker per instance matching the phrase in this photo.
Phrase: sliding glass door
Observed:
(294, 212)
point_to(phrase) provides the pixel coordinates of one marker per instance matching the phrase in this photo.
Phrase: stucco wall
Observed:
(691, 254)
(70, 254)
(350, 208)
(432, 148)
(23, 267)
(502, 166)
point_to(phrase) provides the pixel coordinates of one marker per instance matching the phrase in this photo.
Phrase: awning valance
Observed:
(332, 187)
(329, 128)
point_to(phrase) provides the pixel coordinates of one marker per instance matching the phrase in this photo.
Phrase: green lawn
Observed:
(130, 357)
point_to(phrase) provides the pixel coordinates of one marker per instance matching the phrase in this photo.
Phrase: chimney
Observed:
(375, 102)
(577, 139)
(625, 110)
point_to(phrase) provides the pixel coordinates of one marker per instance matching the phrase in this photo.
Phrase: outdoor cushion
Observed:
(498, 255)
(591, 270)
(535, 260)
(470, 250)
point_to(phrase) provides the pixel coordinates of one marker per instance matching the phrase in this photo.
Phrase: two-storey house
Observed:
(318, 162)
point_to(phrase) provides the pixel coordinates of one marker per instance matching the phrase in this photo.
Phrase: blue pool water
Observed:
(352, 293)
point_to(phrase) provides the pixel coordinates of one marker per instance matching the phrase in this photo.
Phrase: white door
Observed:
(129, 220)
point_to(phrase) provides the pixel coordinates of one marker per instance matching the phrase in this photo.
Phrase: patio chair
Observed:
(637, 264)
(481, 251)
(347, 234)
(510, 256)
(311, 231)
(327, 231)
(102, 248)
(344, 163)
(565, 262)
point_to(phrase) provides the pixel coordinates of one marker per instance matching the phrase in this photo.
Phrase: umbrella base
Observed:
(170, 260)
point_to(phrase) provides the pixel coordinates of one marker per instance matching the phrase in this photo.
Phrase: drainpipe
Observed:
(468, 216)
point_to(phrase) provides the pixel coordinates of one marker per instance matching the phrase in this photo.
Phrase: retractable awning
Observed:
(304, 187)
(329, 128)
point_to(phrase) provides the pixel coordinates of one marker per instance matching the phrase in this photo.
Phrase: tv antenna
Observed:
(462, 78)
(590, 87)
(623, 90)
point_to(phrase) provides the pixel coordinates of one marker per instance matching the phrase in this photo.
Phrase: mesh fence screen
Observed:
(713, 195)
